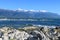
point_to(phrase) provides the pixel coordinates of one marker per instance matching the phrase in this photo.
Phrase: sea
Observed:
(17, 24)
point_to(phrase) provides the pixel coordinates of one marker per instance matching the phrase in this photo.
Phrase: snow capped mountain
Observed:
(22, 13)
(19, 9)
(24, 10)
(43, 11)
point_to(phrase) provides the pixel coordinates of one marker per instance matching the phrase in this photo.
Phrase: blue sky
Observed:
(49, 5)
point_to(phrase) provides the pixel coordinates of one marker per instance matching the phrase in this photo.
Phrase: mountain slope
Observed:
(27, 14)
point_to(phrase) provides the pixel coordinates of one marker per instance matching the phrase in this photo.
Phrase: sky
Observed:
(48, 5)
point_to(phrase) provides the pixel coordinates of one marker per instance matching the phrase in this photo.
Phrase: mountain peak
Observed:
(24, 10)
(21, 13)
(43, 11)
(19, 9)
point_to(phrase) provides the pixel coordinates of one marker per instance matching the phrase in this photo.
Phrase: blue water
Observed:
(19, 23)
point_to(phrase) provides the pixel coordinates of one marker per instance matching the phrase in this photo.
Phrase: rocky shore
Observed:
(30, 33)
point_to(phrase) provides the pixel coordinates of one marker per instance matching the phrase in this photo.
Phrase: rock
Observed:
(34, 33)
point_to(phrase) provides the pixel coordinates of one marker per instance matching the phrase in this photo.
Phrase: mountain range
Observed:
(27, 14)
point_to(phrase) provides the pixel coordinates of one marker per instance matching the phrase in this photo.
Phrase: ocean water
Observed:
(17, 24)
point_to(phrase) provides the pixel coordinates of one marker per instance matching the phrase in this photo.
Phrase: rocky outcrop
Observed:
(30, 33)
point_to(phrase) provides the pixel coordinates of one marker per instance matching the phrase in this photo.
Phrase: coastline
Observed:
(30, 33)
